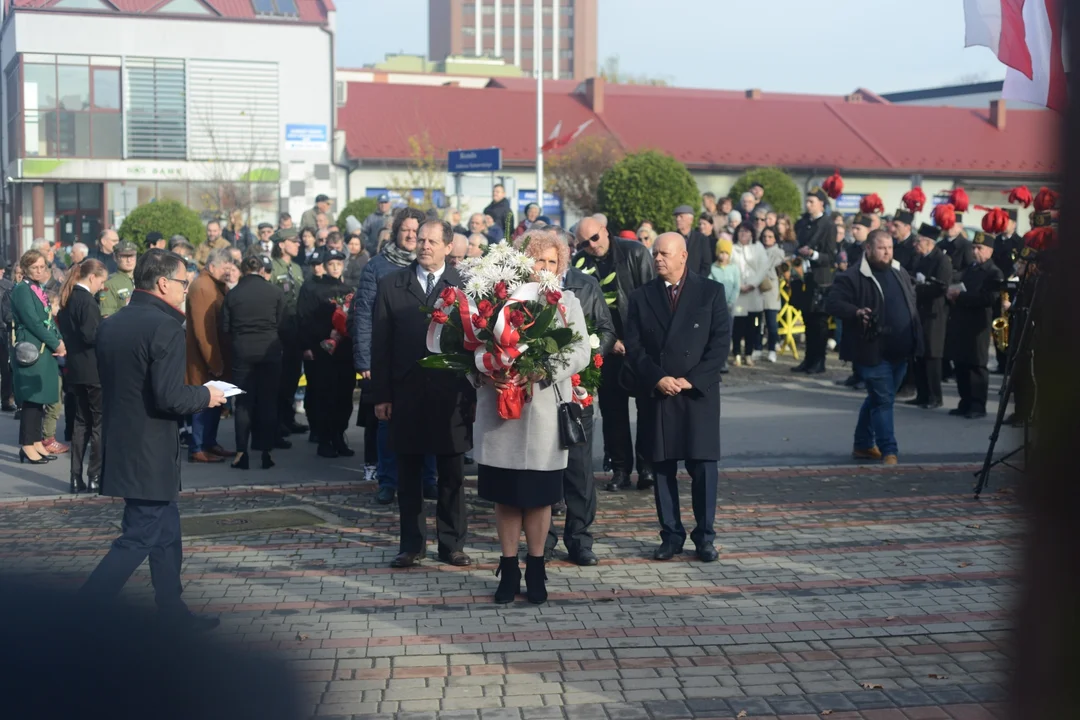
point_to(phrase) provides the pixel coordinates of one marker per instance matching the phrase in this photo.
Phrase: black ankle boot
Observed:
(535, 577)
(509, 574)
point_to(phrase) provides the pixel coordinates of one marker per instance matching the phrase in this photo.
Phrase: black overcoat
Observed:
(690, 343)
(141, 361)
(431, 409)
(818, 234)
(930, 299)
(78, 322)
(960, 252)
(251, 317)
(968, 339)
(904, 253)
(699, 253)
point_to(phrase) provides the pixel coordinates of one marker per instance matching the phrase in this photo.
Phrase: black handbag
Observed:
(571, 429)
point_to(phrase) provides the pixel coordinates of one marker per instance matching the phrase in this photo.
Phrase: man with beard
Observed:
(816, 237)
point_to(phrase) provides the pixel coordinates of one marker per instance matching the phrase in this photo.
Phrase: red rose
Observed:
(448, 296)
(501, 291)
(479, 322)
(517, 318)
(598, 360)
(348, 300)
(586, 401)
(485, 308)
(575, 380)
(439, 317)
(553, 296)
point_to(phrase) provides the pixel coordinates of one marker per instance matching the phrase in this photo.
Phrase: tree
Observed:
(359, 208)
(611, 72)
(575, 172)
(425, 171)
(647, 185)
(781, 192)
(167, 217)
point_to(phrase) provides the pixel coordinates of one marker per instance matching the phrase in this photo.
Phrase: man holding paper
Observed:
(141, 362)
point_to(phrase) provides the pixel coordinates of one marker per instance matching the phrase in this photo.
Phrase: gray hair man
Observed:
(79, 251)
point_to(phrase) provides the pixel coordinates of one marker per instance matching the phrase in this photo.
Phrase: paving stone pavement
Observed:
(871, 593)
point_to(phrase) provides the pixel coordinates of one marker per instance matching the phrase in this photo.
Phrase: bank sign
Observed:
(306, 137)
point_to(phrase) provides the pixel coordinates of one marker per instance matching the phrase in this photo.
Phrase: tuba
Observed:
(1000, 327)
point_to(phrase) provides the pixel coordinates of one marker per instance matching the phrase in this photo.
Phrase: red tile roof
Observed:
(710, 129)
(313, 11)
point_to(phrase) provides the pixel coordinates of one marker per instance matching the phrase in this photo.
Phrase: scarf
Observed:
(39, 292)
(396, 255)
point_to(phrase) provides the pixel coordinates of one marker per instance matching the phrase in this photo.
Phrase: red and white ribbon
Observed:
(466, 309)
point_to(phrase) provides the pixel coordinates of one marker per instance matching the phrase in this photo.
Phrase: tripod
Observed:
(1027, 334)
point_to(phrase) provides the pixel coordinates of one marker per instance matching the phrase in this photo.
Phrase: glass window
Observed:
(39, 129)
(173, 191)
(74, 134)
(73, 83)
(106, 88)
(39, 86)
(107, 135)
(89, 196)
(156, 111)
(12, 85)
(67, 196)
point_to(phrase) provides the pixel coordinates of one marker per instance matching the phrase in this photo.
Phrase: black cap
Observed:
(1011, 212)
(905, 216)
(983, 238)
(929, 231)
(153, 236)
(683, 210)
(959, 218)
(329, 254)
(265, 225)
(819, 194)
(863, 219)
(321, 198)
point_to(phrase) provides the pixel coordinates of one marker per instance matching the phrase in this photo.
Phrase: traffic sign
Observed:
(482, 160)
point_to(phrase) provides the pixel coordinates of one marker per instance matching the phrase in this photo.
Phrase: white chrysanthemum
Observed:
(548, 281)
(475, 287)
(594, 342)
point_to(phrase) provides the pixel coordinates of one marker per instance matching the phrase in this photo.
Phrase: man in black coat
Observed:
(933, 274)
(621, 267)
(699, 248)
(500, 211)
(429, 411)
(141, 362)
(579, 486)
(958, 248)
(816, 236)
(106, 244)
(968, 341)
(876, 301)
(1007, 249)
(905, 240)
(677, 335)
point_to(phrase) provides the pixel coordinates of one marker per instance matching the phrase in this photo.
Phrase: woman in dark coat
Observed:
(37, 384)
(79, 317)
(321, 312)
(251, 316)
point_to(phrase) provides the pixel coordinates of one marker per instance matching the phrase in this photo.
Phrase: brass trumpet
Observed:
(1000, 327)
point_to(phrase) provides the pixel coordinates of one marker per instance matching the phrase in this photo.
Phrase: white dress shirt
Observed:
(421, 275)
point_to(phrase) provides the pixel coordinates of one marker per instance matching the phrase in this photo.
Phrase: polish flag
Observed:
(1026, 35)
(552, 138)
(557, 141)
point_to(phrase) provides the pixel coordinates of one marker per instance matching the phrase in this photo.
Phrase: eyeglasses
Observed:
(757, 220)
(592, 239)
(183, 283)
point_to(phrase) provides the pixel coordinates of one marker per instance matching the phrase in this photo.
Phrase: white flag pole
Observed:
(538, 68)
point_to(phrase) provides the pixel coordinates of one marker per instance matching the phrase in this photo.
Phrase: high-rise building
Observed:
(504, 29)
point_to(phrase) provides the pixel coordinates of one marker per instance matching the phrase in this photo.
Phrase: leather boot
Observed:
(535, 579)
(509, 574)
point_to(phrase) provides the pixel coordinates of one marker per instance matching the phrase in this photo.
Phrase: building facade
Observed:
(199, 101)
(504, 29)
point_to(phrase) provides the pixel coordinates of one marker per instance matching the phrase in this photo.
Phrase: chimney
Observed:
(380, 76)
(594, 94)
(754, 94)
(997, 114)
(855, 97)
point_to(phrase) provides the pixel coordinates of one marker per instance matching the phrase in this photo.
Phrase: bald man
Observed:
(458, 250)
(621, 267)
(677, 334)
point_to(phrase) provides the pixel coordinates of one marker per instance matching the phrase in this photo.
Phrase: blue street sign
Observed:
(417, 195)
(848, 201)
(483, 160)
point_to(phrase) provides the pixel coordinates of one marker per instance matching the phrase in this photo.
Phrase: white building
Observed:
(219, 104)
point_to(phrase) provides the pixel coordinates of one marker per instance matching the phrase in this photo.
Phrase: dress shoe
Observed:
(456, 558)
(535, 580)
(509, 574)
(906, 397)
(619, 481)
(241, 463)
(18, 414)
(385, 495)
(312, 437)
(645, 479)
(800, 368)
(326, 450)
(204, 457)
(584, 558)
(707, 553)
(958, 412)
(282, 444)
(407, 560)
(77, 485)
(190, 622)
(915, 401)
(54, 446)
(931, 405)
(93, 485)
(342, 447)
(666, 551)
(221, 452)
(431, 492)
(24, 458)
(724, 370)
(865, 454)
(558, 509)
(296, 428)
(267, 460)
(8, 407)
(891, 460)
(975, 414)
(818, 369)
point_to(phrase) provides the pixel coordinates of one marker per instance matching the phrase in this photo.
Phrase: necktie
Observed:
(672, 291)
(430, 283)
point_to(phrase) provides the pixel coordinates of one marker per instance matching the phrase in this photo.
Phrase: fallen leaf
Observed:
(974, 526)
(891, 617)
(301, 636)
(871, 686)
(742, 713)
(964, 564)
(826, 712)
(935, 676)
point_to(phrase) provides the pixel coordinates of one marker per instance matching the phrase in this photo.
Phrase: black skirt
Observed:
(520, 488)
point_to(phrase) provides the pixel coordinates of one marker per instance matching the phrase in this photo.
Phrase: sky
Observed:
(829, 47)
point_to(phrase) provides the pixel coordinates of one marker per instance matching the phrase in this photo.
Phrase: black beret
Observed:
(929, 231)
(820, 195)
(905, 216)
(983, 238)
(153, 236)
(863, 219)
(1011, 212)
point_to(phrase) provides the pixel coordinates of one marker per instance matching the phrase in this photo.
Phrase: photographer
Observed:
(876, 301)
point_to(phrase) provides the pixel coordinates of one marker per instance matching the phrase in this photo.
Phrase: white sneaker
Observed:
(772, 356)
(369, 473)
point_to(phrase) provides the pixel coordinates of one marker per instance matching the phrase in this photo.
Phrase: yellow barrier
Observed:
(303, 380)
(790, 322)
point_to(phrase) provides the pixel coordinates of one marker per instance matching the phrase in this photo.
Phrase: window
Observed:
(70, 108)
(156, 114)
(487, 9)
(280, 8)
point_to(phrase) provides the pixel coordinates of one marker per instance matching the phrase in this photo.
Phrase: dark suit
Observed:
(968, 341)
(699, 253)
(78, 322)
(905, 254)
(251, 318)
(934, 316)
(688, 341)
(818, 234)
(960, 253)
(330, 375)
(431, 410)
(141, 361)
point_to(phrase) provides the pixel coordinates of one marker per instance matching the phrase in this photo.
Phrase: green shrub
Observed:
(647, 185)
(359, 209)
(781, 192)
(168, 217)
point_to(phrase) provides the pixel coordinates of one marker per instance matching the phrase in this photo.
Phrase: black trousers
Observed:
(151, 529)
(292, 367)
(451, 525)
(7, 388)
(256, 411)
(33, 414)
(703, 481)
(331, 381)
(927, 373)
(615, 408)
(817, 337)
(87, 431)
(579, 492)
(973, 384)
(745, 333)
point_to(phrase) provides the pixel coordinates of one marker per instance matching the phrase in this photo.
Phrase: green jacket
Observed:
(289, 277)
(116, 293)
(39, 383)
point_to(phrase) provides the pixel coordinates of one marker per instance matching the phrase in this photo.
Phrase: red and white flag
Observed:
(1027, 36)
(556, 141)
